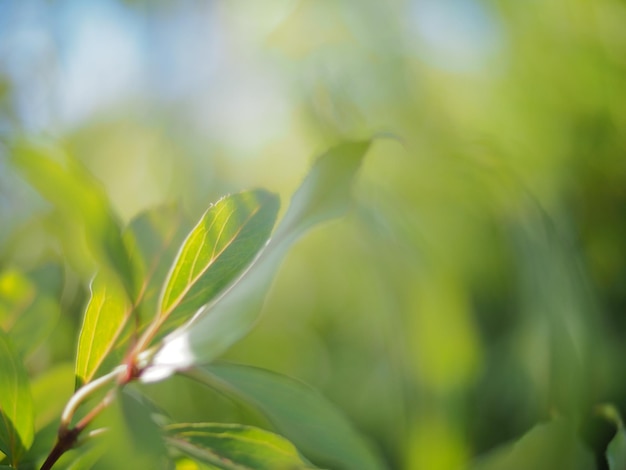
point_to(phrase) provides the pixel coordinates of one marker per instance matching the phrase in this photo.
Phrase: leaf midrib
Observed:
(214, 256)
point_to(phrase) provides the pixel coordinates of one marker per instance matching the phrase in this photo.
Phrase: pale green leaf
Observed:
(616, 451)
(16, 403)
(297, 411)
(225, 240)
(549, 446)
(105, 317)
(324, 194)
(235, 447)
(71, 189)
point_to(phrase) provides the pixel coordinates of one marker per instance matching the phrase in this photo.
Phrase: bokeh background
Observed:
(477, 286)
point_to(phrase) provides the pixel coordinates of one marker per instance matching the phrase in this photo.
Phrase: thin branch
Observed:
(84, 392)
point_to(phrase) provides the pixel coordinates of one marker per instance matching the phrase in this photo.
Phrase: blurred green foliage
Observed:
(477, 287)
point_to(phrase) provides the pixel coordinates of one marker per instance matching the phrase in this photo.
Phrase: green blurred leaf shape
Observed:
(323, 195)
(134, 441)
(548, 446)
(16, 403)
(616, 450)
(298, 412)
(50, 391)
(152, 239)
(105, 317)
(86, 460)
(27, 312)
(226, 239)
(235, 447)
(77, 194)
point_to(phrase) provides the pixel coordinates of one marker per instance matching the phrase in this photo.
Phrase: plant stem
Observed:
(67, 436)
(84, 393)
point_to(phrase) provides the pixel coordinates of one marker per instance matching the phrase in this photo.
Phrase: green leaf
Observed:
(134, 440)
(28, 308)
(226, 239)
(297, 411)
(106, 315)
(235, 447)
(616, 450)
(16, 404)
(78, 195)
(324, 194)
(545, 447)
(152, 239)
(86, 460)
(50, 391)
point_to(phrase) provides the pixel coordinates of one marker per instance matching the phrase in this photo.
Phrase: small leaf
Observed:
(545, 447)
(324, 194)
(16, 404)
(235, 447)
(76, 193)
(225, 240)
(298, 411)
(106, 315)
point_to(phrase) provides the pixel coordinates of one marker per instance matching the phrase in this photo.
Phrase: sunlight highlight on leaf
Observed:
(235, 446)
(323, 195)
(105, 318)
(225, 240)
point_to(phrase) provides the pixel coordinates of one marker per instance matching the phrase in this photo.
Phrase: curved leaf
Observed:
(226, 239)
(106, 315)
(545, 447)
(16, 404)
(616, 451)
(298, 411)
(324, 194)
(78, 195)
(235, 447)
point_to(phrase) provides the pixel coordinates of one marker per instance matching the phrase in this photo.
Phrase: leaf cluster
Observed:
(168, 301)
